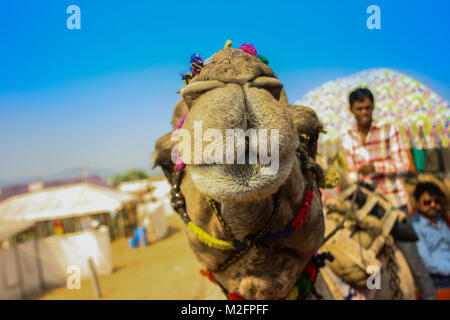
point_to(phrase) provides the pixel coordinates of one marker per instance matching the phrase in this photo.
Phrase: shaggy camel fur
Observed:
(236, 90)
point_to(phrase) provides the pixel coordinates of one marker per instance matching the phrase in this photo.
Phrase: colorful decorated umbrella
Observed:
(421, 115)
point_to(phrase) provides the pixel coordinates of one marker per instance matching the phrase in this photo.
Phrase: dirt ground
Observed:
(164, 270)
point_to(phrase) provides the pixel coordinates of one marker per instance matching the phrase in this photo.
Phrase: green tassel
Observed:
(263, 59)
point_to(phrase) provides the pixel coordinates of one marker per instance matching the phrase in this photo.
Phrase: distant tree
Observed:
(133, 174)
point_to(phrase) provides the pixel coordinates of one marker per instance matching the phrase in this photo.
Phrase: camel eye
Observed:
(196, 89)
(272, 85)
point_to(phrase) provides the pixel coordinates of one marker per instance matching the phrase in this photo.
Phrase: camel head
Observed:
(235, 91)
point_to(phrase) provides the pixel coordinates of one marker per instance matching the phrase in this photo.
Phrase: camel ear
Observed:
(273, 85)
(196, 89)
(162, 155)
(306, 122)
(179, 111)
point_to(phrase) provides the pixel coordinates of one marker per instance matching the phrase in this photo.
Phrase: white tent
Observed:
(20, 212)
(162, 195)
(162, 188)
(136, 186)
(9, 228)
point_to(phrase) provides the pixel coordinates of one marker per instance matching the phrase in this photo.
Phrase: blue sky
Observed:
(102, 95)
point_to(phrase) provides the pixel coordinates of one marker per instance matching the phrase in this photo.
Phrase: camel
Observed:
(236, 90)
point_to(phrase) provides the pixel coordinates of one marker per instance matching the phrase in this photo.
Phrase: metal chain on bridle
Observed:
(392, 268)
(177, 199)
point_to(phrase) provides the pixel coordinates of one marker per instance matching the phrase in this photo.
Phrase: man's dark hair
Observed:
(359, 94)
(429, 187)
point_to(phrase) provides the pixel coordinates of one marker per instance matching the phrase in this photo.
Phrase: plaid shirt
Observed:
(387, 152)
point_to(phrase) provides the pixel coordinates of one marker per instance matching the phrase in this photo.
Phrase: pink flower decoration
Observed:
(248, 48)
(180, 164)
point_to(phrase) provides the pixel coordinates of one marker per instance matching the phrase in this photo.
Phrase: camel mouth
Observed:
(239, 182)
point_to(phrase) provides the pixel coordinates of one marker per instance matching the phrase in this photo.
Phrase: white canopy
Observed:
(20, 212)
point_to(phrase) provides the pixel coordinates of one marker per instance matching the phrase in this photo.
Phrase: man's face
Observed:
(429, 205)
(362, 110)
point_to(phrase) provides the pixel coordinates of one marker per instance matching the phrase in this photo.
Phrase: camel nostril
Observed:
(247, 148)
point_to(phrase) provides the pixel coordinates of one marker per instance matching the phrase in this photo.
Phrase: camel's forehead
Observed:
(233, 65)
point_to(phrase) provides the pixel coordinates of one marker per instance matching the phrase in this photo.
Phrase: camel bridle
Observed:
(312, 172)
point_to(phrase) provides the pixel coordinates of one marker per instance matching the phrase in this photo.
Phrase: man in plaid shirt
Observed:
(379, 156)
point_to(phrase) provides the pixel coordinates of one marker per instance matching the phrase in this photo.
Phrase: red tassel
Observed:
(208, 274)
(313, 274)
(233, 296)
(311, 271)
(303, 212)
